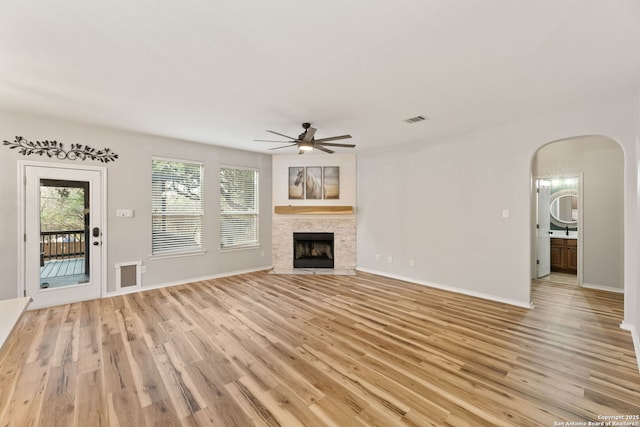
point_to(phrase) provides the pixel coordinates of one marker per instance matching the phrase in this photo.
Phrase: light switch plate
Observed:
(124, 213)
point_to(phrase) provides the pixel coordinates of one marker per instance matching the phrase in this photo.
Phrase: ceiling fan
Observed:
(306, 141)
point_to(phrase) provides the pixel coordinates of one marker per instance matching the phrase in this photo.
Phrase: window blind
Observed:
(238, 208)
(177, 208)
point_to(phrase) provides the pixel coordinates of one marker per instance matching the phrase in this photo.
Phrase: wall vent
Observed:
(128, 275)
(415, 119)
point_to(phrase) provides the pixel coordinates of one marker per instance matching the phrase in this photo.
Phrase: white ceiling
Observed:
(224, 71)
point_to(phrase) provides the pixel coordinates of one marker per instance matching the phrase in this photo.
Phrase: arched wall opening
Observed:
(599, 161)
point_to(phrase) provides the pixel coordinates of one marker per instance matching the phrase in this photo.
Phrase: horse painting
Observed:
(296, 176)
(331, 181)
(299, 177)
(307, 183)
(313, 183)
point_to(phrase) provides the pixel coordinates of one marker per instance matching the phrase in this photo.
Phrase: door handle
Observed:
(96, 232)
(96, 243)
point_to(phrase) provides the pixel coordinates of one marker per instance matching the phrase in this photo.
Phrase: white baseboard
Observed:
(602, 288)
(463, 291)
(185, 281)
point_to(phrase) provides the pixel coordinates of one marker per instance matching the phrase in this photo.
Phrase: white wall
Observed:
(600, 160)
(440, 203)
(129, 186)
(441, 206)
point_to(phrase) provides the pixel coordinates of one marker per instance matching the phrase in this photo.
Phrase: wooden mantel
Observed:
(313, 210)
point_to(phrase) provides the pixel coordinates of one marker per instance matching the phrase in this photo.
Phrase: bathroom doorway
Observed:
(558, 217)
(594, 246)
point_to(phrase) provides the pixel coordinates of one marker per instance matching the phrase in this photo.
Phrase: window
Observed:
(238, 208)
(177, 209)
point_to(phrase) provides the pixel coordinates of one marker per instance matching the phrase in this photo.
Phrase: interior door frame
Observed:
(580, 177)
(543, 257)
(22, 226)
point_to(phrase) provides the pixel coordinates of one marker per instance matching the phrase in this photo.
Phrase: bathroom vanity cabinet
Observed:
(564, 255)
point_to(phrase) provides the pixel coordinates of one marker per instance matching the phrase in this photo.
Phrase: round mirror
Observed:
(564, 208)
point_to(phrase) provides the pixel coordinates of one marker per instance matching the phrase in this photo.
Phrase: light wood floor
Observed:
(272, 350)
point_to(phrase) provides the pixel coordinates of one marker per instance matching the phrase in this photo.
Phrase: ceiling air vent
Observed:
(415, 119)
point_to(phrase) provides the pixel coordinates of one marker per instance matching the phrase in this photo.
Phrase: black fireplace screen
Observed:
(313, 250)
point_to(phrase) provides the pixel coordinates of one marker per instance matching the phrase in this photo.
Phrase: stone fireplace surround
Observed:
(343, 227)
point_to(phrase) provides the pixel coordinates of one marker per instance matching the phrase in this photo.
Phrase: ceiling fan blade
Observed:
(308, 135)
(331, 144)
(284, 146)
(281, 134)
(333, 138)
(269, 140)
(321, 148)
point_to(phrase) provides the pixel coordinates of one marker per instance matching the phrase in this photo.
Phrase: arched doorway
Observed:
(599, 162)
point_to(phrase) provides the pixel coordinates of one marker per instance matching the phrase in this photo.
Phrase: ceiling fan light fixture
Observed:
(305, 146)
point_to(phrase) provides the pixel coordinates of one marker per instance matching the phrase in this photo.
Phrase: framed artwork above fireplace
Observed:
(314, 182)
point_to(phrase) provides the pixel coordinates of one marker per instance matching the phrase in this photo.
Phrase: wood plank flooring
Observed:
(290, 350)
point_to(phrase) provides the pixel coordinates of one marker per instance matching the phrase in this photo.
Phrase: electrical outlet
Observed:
(143, 269)
(377, 257)
(412, 263)
(390, 259)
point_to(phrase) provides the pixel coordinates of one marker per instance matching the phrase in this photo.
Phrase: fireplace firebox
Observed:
(313, 250)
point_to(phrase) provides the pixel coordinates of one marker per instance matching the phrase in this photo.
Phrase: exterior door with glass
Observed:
(63, 234)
